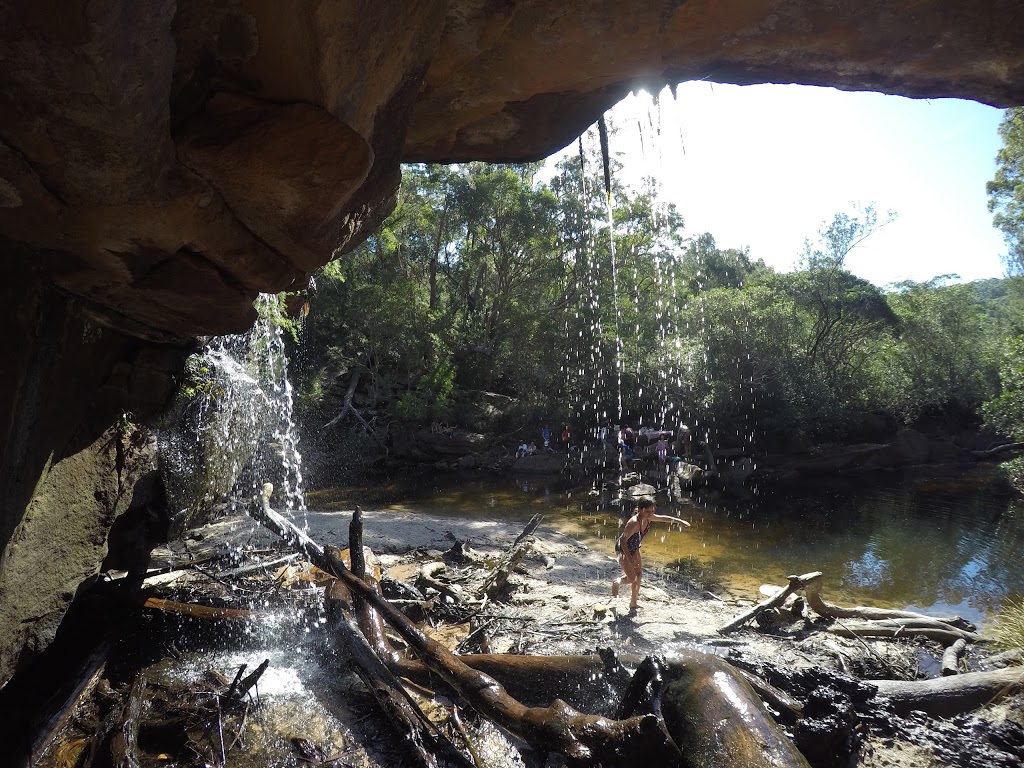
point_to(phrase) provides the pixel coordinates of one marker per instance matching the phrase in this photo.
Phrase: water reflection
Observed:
(935, 547)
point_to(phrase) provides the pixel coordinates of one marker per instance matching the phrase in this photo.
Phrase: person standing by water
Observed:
(627, 547)
(545, 435)
(662, 451)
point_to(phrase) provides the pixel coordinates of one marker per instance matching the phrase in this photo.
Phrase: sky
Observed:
(765, 166)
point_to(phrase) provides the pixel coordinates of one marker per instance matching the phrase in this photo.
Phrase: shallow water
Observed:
(935, 544)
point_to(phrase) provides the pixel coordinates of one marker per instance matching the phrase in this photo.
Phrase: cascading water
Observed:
(231, 429)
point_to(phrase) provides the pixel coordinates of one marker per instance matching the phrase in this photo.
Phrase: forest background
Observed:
(504, 279)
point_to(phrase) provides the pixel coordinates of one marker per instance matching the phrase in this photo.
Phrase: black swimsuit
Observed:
(633, 543)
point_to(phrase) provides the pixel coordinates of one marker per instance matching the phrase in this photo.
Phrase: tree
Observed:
(1006, 190)
(945, 355)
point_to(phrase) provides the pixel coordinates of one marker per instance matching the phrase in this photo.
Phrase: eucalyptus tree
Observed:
(1006, 190)
(945, 353)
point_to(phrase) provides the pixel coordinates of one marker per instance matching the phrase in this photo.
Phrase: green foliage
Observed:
(487, 278)
(1005, 412)
(199, 381)
(945, 352)
(1006, 190)
(276, 313)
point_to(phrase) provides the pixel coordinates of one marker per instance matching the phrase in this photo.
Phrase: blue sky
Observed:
(764, 166)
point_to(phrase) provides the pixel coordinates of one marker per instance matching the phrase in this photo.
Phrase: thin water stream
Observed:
(889, 542)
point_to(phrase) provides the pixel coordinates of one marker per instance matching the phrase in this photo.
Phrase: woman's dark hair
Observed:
(644, 503)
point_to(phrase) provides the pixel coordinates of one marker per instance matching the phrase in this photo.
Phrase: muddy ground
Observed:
(558, 602)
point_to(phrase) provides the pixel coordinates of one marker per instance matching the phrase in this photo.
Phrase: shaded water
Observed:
(926, 544)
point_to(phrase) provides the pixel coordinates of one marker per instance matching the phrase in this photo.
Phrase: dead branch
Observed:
(498, 578)
(198, 611)
(812, 590)
(993, 452)
(933, 630)
(92, 672)
(426, 578)
(951, 657)
(420, 735)
(795, 583)
(583, 739)
(949, 696)
(348, 408)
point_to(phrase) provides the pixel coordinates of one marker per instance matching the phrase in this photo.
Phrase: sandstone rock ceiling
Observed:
(165, 161)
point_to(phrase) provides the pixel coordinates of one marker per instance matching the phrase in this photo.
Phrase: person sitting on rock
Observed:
(522, 450)
(627, 547)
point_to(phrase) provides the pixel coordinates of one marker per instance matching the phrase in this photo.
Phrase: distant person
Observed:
(602, 434)
(545, 436)
(684, 442)
(625, 449)
(661, 449)
(523, 450)
(566, 436)
(627, 547)
(531, 449)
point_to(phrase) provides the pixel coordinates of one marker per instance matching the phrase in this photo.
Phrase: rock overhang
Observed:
(168, 161)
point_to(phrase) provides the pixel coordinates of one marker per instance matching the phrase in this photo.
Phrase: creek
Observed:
(936, 543)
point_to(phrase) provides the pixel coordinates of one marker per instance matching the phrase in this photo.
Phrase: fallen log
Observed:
(991, 453)
(198, 611)
(583, 739)
(420, 736)
(741, 733)
(951, 658)
(933, 630)
(812, 591)
(586, 678)
(795, 583)
(949, 696)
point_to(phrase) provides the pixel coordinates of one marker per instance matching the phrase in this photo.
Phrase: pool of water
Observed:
(938, 544)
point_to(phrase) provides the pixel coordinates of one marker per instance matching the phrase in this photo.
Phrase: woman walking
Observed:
(627, 547)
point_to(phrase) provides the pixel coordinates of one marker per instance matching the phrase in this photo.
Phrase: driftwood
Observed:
(718, 720)
(951, 657)
(583, 739)
(421, 737)
(498, 578)
(426, 578)
(55, 720)
(949, 696)
(198, 611)
(933, 630)
(812, 591)
(873, 622)
(996, 451)
(795, 583)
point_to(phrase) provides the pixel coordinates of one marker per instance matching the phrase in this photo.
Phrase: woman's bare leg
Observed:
(636, 583)
(630, 565)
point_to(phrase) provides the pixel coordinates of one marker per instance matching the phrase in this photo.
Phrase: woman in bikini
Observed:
(627, 547)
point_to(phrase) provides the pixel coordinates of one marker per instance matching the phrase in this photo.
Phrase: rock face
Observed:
(162, 162)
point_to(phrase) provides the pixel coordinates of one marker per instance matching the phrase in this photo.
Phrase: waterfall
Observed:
(231, 428)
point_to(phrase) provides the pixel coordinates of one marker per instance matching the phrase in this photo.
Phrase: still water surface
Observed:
(938, 545)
